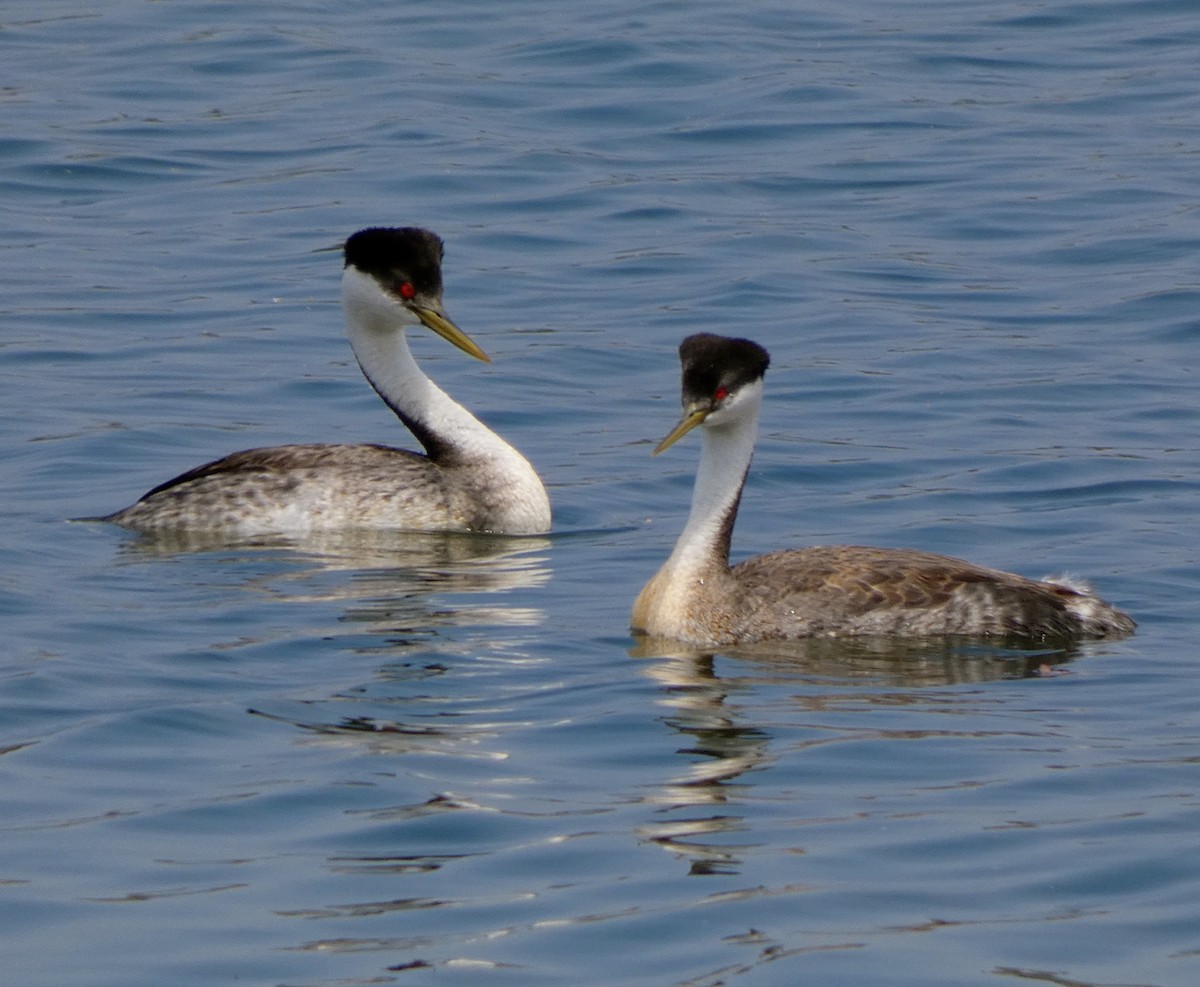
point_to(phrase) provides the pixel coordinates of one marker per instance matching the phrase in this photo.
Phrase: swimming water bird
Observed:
(469, 479)
(828, 590)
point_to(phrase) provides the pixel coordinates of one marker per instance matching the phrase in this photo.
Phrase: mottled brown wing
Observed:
(854, 589)
(862, 578)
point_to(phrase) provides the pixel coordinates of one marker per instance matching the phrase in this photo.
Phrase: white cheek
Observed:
(366, 302)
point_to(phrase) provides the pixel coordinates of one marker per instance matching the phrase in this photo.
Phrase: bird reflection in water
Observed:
(411, 604)
(694, 696)
(384, 577)
(724, 747)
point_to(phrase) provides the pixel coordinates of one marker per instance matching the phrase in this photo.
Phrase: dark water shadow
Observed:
(884, 660)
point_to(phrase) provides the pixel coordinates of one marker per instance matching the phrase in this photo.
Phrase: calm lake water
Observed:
(968, 234)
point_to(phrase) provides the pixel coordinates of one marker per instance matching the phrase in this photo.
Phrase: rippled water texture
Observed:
(967, 233)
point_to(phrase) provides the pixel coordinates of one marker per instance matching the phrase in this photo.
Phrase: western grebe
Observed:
(827, 590)
(470, 479)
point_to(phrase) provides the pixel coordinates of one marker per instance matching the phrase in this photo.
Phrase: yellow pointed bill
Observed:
(686, 424)
(439, 323)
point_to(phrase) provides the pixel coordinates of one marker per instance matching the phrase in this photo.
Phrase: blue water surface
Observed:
(966, 231)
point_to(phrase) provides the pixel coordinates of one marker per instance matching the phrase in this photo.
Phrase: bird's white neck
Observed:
(690, 592)
(451, 435)
(376, 328)
(727, 446)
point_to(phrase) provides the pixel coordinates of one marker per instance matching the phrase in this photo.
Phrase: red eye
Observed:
(720, 394)
(406, 291)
